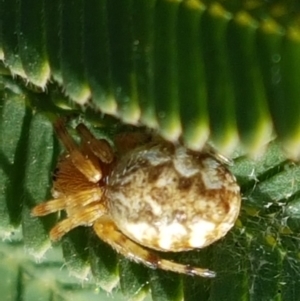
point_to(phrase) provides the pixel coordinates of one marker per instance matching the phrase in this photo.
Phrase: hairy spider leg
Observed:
(82, 217)
(99, 147)
(83, 163)
(106, 229)
(72, 191)
(68, 202)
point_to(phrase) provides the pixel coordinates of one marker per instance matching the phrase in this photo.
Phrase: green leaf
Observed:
(72, 68)
(225, 71)
(9, 36)
(191, 78)
(25, 279)
(32, 48)
(121, 43)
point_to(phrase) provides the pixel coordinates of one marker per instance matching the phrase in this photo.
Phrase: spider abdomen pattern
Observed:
(170, 199)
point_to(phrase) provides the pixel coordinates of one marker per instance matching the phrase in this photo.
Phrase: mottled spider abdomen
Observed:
(170, 199)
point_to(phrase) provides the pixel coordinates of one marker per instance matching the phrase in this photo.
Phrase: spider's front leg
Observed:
(74, 189)
(107, 231)
(82, 163)
(85, 216)
(70, 203)
(99, 147)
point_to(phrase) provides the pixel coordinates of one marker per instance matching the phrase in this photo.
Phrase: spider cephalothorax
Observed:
(151, 194)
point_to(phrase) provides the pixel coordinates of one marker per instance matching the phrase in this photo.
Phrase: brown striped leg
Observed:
(99, 147)
(79, 199)
(82, 163)
(108, 232)
(82, 217)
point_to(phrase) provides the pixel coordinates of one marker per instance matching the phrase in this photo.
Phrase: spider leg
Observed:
(83, 163)
(99, 147)
(79, 199)
(82, 217)
(109, 233)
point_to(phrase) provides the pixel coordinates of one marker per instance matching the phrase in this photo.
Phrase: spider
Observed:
(146, 195)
